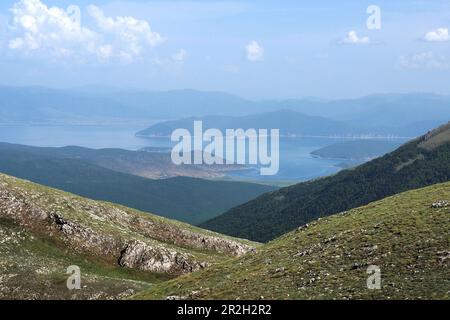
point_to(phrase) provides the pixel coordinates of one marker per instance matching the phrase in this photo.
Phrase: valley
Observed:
(224, 159)
(126, 254)
(123, 213)
(404, 235)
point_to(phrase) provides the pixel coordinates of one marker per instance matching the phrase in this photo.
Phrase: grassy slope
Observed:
(34, 257)
(419, 163)
(407, 238)
(35, 268)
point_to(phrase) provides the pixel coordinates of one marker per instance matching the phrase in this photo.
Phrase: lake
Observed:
(296, 163)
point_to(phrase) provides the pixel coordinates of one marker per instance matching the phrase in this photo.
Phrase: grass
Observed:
(403, 235)
(35, 268)
(34, 256)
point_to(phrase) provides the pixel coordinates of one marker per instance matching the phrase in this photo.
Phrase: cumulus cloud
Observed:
(353, 38)
(428, 60)
(53, 31)
(438, 35)
(37, 27)
(180, 56)
(128, 36)
(254, 52)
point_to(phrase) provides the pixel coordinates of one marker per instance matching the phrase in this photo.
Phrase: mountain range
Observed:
(290, 123)
(123, 253)
(385, 114)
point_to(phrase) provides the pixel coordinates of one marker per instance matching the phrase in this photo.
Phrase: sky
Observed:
(257, 49)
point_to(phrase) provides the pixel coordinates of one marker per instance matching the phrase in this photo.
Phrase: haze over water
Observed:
(296, 163)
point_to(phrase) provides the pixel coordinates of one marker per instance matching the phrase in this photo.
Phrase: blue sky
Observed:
(256, 49)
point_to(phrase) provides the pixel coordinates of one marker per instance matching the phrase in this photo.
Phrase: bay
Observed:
(296, 162)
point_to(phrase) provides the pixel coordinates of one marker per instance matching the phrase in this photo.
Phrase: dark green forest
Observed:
(419, 163)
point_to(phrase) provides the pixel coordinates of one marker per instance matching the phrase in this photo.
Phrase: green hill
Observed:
(119, 250)
(82, 171)
(421, 162)
(406, 236)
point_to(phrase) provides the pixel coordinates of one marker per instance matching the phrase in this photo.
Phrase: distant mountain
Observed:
(397, 114)
(186, 199)
(289, 123)
(43, 105)
(390, 114)
(357, 149)
(421, 162)
(93, 105)
(119, 250)
(182, 103)
(406, 236)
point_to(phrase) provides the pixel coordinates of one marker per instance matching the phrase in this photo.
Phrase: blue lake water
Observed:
(296, 163)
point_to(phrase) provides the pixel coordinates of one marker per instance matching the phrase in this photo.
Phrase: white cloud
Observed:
(254, 52)
(438, 35)
(37, 29)
(353, 38)
(427, 60)
(129, 36)
(180, 56)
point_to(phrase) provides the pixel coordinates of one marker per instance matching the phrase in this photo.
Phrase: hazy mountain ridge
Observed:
(388, 114)
(409, 167)
(290, 123)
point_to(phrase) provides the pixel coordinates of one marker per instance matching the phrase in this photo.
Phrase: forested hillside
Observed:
(421, 162)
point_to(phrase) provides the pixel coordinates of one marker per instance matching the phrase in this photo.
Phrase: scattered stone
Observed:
(331, 239)
(357, 266)
(176, 298)
(441, 204)
(443, 256)
(302, 253)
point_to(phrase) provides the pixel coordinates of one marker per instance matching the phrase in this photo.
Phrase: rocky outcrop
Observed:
(441, 204)
(162, 231)
(139, 255)
(82, 238)
(114, 233)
